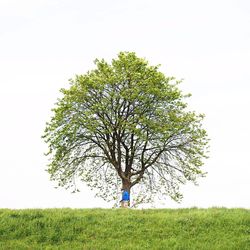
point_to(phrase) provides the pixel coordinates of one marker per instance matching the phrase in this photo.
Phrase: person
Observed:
(125, 202)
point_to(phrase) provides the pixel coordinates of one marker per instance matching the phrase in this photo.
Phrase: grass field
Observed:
(214, 228)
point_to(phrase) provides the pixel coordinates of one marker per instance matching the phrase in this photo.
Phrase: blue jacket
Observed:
(125, 196)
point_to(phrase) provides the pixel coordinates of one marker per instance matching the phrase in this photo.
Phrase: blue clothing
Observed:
(125, 196)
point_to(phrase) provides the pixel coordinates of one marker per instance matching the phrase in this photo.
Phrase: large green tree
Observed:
(125, 125)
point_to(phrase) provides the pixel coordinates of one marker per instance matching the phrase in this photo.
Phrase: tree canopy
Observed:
(125, 124)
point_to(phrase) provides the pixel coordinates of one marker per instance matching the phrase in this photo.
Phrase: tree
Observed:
(125, 124)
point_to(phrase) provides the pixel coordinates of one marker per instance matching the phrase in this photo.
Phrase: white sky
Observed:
(43, 43)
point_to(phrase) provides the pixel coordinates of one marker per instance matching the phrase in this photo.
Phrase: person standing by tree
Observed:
(125, 202)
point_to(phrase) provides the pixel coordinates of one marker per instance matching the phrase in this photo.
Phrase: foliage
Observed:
(215, 228)
(125, 124)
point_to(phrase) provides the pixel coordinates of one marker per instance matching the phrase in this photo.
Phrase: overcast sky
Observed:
(43, 43)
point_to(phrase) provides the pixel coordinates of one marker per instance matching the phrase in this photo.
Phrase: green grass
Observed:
(214, 228)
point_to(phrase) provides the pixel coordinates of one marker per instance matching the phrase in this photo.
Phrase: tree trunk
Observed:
(126, 185)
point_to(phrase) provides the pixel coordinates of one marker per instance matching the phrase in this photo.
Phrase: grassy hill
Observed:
(215, 228)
